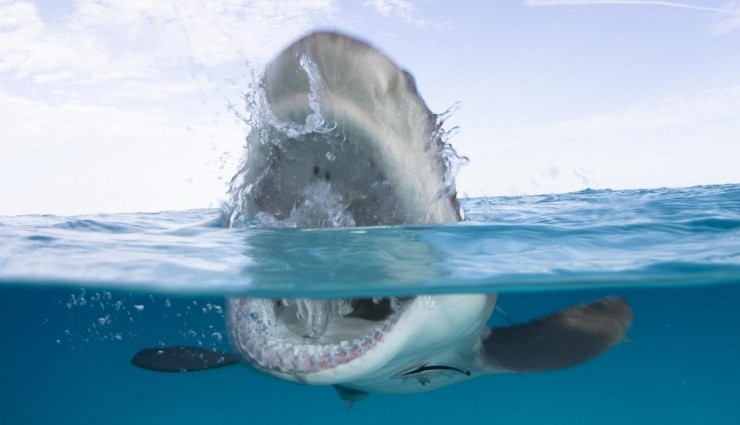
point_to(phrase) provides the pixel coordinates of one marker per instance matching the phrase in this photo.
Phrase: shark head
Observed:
(341, 138)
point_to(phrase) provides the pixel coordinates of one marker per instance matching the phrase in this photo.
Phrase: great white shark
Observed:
(345, 139)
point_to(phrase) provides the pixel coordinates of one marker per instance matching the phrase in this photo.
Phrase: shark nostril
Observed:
(316, 171)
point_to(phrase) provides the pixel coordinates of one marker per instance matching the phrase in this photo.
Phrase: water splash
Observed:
(453, 161)
(320, 206)
(267, 128)
(259, 110)
(267, 131)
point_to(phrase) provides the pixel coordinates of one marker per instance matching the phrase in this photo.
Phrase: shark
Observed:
(342, 139)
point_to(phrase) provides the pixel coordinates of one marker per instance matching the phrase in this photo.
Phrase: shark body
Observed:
(346, 140)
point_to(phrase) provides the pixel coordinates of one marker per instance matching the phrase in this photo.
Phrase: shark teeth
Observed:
(252, 337)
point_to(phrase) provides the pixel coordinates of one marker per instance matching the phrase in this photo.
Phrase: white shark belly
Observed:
(438, 330)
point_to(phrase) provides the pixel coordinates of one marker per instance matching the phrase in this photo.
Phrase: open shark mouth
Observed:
(302, 336)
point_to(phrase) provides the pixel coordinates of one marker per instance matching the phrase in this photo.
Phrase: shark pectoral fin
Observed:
(563, 339)
(182, 358)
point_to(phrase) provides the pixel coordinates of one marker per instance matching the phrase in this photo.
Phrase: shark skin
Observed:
(346, 140)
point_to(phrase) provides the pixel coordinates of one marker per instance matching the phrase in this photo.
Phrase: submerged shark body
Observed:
(344, 139)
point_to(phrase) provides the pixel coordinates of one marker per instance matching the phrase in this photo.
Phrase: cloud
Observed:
(702, 107)
(213, 32)
(113, 40)
(620, 2)
(406, 11)
(126, 99)
(673, 142)
(17, 14)
(32, 49)
(70, 157)
(728, 21)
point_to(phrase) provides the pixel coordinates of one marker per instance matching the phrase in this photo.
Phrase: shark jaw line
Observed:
(273, 337)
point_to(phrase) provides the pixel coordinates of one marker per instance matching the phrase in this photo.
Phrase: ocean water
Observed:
(80, 295)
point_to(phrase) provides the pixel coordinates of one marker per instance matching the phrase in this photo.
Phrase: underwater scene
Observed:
(82, 295)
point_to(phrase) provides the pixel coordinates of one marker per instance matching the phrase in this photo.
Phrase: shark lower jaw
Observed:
(295, 338)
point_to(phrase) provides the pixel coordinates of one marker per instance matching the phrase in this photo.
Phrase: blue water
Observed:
(80, 295)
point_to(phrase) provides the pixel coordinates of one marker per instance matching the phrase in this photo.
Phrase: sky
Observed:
(133, 105)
